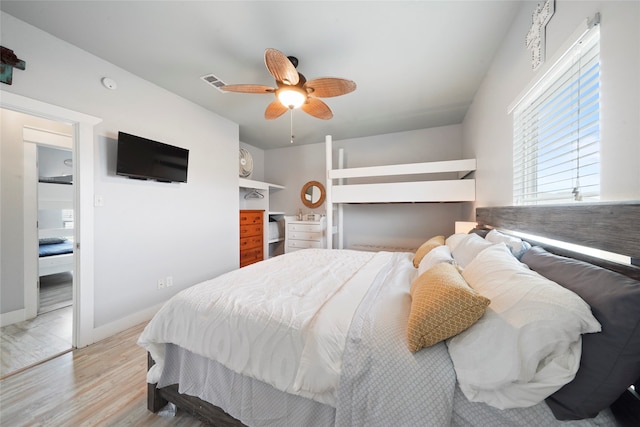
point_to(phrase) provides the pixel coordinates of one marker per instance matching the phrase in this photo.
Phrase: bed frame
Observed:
(606, 226)
(55, 264)
(611, 227)
(209, 414)
(448, 181)
(55, 196)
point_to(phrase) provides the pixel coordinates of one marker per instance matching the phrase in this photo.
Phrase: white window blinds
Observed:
(556, 151)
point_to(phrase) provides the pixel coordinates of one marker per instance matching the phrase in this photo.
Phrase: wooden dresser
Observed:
(251, 236)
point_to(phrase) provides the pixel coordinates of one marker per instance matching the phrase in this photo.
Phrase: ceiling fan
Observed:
(293, 90)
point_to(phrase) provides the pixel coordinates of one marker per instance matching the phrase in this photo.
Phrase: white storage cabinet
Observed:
(304, 234)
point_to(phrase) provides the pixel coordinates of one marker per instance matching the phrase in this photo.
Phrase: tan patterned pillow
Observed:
(424, 249)
(442, 305)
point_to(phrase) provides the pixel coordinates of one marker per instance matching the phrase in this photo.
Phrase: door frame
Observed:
(83, 170)
(32, 139)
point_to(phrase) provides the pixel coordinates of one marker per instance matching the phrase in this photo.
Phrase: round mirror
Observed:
(312, 194)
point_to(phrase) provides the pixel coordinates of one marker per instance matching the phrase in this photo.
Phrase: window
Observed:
(556, 130)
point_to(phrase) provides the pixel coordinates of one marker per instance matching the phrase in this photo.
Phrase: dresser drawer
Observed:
(251, 236)
(249, 256)
(247, 230)
(297, 226)
(250, 242)
(250, 217)
(302, 235)
(304, 244)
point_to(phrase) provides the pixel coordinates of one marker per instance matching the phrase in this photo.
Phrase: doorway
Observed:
(47, 210)
(13, 308)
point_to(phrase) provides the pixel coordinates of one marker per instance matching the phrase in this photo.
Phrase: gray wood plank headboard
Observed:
(613, 227)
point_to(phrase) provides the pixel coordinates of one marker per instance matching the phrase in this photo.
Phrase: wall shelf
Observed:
(264, 188)
(258, 185)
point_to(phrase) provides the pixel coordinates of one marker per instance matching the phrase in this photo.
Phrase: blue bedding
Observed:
(66, 247)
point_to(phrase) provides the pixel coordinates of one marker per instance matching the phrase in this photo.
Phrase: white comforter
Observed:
(273, 321)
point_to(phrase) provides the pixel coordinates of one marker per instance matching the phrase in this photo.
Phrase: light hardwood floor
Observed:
(103, 384)
(56, 291)
(26, 343)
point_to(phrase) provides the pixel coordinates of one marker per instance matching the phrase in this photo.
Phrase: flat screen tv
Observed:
(142, 158)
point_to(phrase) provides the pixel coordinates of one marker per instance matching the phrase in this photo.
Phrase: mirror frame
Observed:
(304, 191)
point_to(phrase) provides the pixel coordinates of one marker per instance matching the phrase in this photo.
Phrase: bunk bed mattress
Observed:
(296, 308)
(65, 247)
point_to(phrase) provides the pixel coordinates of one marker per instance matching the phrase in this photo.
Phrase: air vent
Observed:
(214, 81)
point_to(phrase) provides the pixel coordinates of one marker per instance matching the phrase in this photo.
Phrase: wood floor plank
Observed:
(25, 343)
(103, 384)
(56, 291)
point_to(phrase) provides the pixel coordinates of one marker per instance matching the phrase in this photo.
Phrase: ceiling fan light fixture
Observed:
(291, 97)
(293, 90)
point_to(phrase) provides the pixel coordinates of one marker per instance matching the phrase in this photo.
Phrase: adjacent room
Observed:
(318, 213)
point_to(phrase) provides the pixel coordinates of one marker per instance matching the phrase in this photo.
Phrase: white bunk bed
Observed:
(55, 197)
(338, 192)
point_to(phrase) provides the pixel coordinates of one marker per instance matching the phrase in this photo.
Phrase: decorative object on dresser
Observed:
(304, 234)
(251, 236)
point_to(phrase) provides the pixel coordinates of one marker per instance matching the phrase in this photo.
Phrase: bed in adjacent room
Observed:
(55, 231)
(55, 255)
(343, 338)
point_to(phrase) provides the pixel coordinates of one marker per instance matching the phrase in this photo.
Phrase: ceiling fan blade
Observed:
(248, 88)
(280, 67)
(317, 108)
(326, 87)
(275, 110)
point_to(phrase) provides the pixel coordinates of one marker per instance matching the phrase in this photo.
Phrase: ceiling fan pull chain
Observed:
(291, 109)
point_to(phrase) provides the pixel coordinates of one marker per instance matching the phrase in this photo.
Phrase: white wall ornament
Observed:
(535, 40)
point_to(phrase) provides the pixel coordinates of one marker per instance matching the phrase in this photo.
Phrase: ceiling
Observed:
(417, 64)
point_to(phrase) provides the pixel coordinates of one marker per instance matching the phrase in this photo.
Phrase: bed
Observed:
(213, 370)
(55, 255)
(444, 181)
(55, 235)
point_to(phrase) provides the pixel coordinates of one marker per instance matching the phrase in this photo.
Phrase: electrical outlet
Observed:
(161, 283)
(169, 281)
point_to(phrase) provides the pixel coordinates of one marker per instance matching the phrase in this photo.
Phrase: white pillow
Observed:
(453, 240)
(466, 249)
(435, 256)
(528, 343)
(517, 246)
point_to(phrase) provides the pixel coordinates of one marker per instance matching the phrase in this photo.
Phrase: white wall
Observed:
(292, 167)
(145, 230)
(487, 127)
(399, 225)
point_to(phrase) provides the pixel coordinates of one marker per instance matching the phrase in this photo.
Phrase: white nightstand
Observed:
(304, 234)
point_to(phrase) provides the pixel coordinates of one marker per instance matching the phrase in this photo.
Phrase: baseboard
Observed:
(105, 331)
(12, 317)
